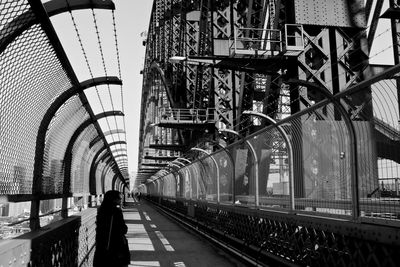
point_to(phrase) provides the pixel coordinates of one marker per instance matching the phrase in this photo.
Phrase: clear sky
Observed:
(132, 18)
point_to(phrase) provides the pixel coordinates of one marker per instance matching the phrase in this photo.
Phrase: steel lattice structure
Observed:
(276, 105)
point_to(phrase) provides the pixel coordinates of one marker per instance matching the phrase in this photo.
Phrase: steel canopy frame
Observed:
(68, 154)
(44, 125)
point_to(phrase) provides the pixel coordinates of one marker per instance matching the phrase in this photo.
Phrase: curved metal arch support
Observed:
(78, 131)
(92, 172)
(335, 100)
(114, 131)
(289, 146)
(106, 159)
(253, 152)
(120, 155)
(41, 138)
(104, 173)
(110, 132)
(99, 138)
(166, 83)
(55, 7)
(216, 167)
(121, 160)
(178, 162)
(223, 148)
(120, 142)
(121, 184)
(183, 159)
(114, 181)
(172, 171)
(121, 164)
(118, 150)
(68, 154)
(24, 21)
(110, 166)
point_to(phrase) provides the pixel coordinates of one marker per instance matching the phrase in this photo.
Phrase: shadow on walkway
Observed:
(155, 240)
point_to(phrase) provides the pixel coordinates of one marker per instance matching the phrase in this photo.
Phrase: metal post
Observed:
(253, 152)
(216, 166)
(290, 152)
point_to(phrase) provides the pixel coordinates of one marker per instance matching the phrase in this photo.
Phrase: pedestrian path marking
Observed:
(132, 215)
(146, 216)
(138, 239)
(144, 264)
(164, 241)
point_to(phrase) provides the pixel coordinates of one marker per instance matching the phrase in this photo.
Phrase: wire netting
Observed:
(82, 156)
(31, 77)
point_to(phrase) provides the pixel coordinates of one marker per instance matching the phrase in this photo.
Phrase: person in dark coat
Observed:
(111, 244)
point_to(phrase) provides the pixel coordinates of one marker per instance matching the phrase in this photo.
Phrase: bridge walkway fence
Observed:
(154, 240)
(54, 157)
(317, 188)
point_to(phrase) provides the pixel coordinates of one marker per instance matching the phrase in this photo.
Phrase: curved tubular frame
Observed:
(109, 165)
(68, 155)
(121, 185)
(184, 159)
(253, 152)
(174, 172)
(156, 66)
(353, 139)
(42, 18)
(214, 142)
(99, 138)
(114, 131)
(106, 159)
(120, 155)
(113, 181)
(41, 138)
(93, 166)
(92, 172)
(215, 163)
(118, 150)
(54, 7)
(120, 142)
(289, 146)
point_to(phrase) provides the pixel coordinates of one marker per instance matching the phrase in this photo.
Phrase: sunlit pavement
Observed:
(155, 240)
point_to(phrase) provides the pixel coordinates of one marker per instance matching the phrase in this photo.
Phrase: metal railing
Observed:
(69, 242)
(267, 42)
(182, 115)
(258, 42)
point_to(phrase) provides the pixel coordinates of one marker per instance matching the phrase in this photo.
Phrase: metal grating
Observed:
(31, 77)
(81, 161)
(60, 131)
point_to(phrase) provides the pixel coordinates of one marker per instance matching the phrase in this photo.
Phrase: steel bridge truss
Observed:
(300, 112)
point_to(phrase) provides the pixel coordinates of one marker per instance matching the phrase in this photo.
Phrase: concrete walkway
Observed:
(156, 240)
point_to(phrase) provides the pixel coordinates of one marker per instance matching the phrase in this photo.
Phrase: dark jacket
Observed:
(117, 253)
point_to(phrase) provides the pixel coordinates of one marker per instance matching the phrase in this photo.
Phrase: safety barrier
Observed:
(272, 238)
(332, 158)
(69, 242)
(307, 187)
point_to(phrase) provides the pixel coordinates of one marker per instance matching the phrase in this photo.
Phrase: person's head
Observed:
(112, 198)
